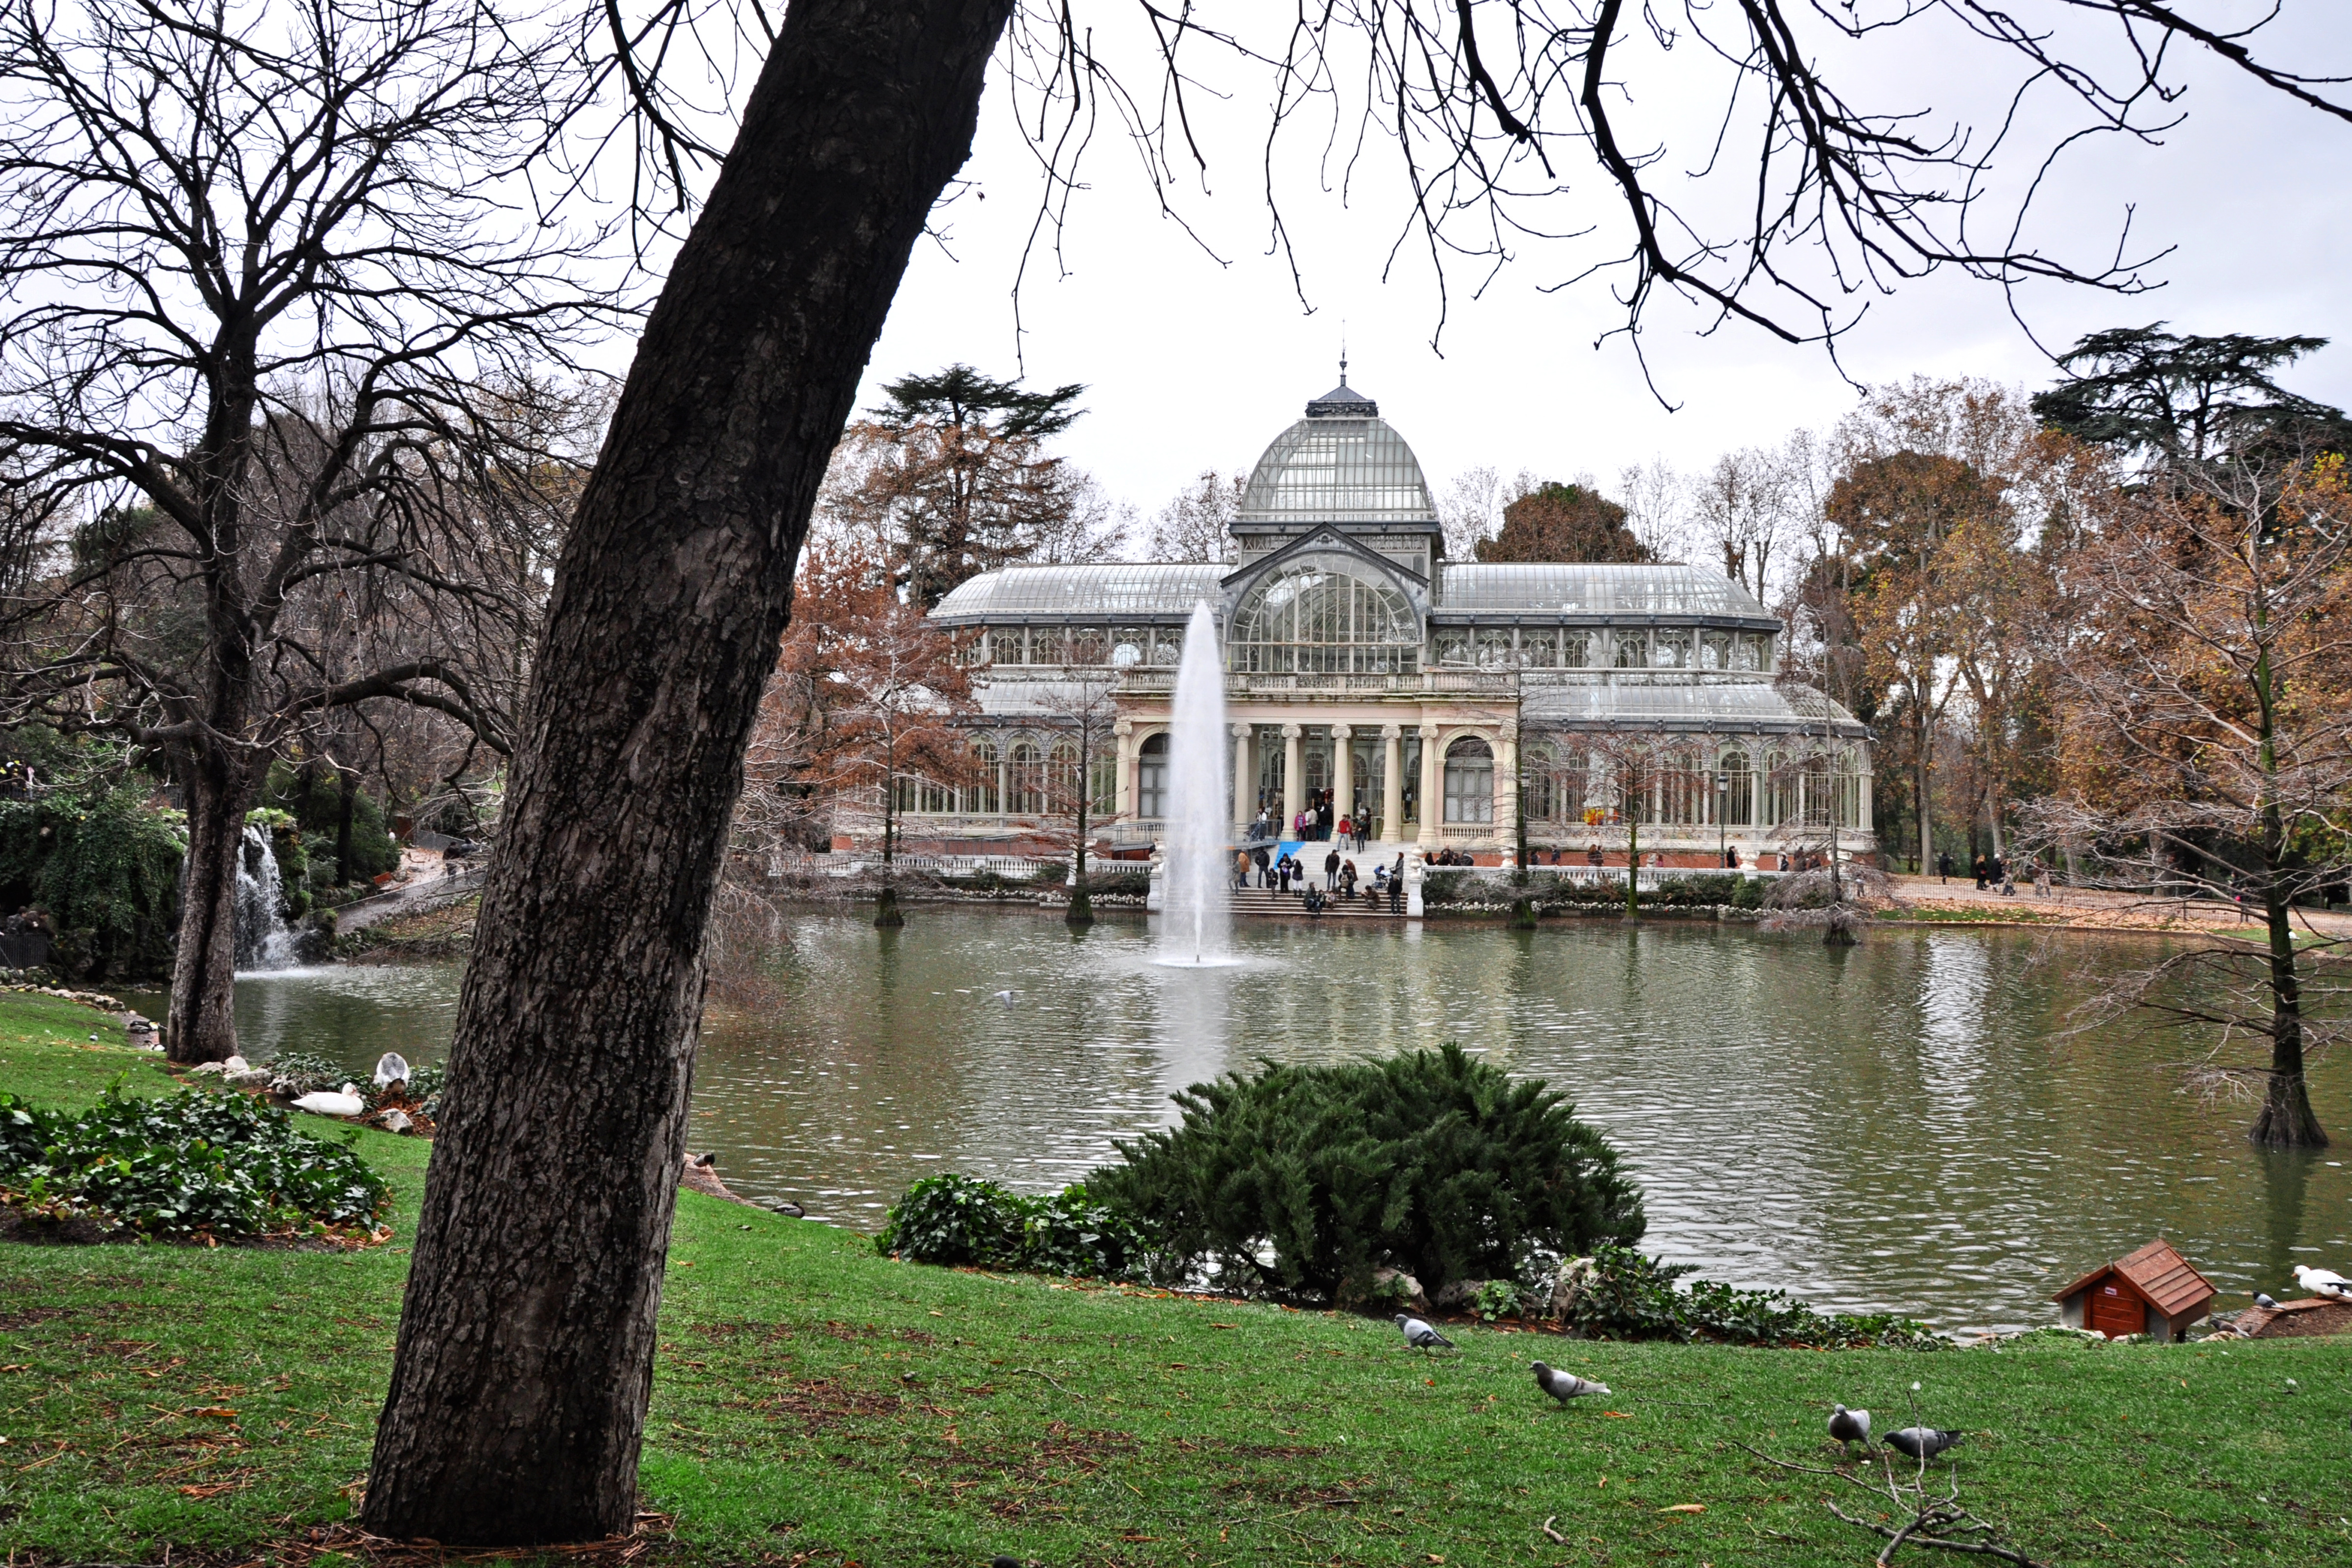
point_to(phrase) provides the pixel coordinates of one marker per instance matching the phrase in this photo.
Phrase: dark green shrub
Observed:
(1430, 1162)
(953, 1219)
(225, 1165)
(957, 1219)
(1630, 1297)
(106, 867)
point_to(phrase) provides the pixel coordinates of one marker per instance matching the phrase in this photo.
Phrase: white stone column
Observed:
(1392, 781)
(1245, 780)
(1343, 773)
(1124, 730)
(1433, 788)
(1294, 775)
(1506, 790)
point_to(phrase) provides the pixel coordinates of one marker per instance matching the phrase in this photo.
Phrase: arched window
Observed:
(1537, 770)
(979, 796)
(1025, 787)
(1324, 613)
(1632, 650)
(1048, 645)
(1062, 778)
(1089, 644)
(1781, 790)
(1469, 781)
(1152, 778)
(1738, 795)
(1682, 791)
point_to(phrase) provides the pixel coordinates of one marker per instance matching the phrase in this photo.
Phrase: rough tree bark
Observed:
(526, 1348)
(201, 1024)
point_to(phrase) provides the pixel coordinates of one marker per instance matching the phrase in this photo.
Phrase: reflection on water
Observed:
(1899, 1125)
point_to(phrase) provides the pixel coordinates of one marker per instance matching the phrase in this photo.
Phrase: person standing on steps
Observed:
(1332, 869)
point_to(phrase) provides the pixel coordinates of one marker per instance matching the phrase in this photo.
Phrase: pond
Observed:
(1905, 1125)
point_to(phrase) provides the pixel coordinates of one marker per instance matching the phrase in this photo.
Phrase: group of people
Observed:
(1993, 873)
(1286, 873)
(1317, 822)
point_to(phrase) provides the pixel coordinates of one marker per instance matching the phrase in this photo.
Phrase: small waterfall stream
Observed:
(1197, 912)
(263, 938)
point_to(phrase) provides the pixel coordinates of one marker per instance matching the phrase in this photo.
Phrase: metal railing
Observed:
(1151, 683)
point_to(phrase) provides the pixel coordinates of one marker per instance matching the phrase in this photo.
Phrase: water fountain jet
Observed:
(1196, 913)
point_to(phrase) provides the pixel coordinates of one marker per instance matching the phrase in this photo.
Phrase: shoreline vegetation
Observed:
(816, 1404)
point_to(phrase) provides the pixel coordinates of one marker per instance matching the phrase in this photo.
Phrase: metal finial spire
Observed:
(1343, 351)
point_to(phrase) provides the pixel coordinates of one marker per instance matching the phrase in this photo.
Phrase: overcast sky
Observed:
(1196, 360)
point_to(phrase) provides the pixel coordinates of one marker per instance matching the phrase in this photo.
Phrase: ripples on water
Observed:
(1901, 1125)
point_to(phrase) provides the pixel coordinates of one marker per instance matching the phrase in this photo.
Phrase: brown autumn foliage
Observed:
(865, 694)
(2204, 671)
(1564, 523)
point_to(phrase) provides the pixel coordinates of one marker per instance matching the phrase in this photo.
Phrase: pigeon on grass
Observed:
(1565, 1385)
(2324, 1282)
(1420, 1335)
(1923, 1442)
(1849, 1426)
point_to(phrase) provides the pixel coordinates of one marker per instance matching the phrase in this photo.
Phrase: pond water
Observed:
(1903, 1126)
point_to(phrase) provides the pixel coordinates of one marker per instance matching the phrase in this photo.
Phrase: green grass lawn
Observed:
(818, 1404)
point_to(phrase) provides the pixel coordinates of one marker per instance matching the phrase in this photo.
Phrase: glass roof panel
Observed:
(1683, 705)
(1098, 591)
(1593, 588)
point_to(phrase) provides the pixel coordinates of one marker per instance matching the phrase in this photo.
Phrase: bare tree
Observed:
(1197, 524)
(1657, 502)
(520, 1386)
(1078, 704)
(2206, 712)
(257, 272)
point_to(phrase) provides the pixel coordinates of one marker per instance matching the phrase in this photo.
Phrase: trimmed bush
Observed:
(224, 1165)
(954, 1220)
(1630, 1297)
(1303, 1178)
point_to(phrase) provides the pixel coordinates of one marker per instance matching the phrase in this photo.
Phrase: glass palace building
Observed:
(1441, 698)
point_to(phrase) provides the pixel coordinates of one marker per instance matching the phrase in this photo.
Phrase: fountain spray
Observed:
(1196, 912)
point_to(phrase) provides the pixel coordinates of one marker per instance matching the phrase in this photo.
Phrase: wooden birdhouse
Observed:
(2152, 1292)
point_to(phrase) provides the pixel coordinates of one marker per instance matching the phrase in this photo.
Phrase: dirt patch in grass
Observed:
(822, 1401)
(26, 1317)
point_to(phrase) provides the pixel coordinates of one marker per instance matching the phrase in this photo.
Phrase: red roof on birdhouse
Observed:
(2162, 1275)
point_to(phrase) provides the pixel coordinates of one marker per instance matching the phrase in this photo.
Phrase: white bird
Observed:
(1849, 1426)
(1420, 1335)
(1005, 997)
(325, 1104)
(2324, 1282)
(1565, 1385)
(391, 1068)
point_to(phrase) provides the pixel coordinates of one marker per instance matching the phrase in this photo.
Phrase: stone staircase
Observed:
(1265, 901)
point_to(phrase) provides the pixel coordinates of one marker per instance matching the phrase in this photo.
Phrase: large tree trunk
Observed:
(2287, 1120)
(1926, 764)
(202, 1025)
(526, 1349)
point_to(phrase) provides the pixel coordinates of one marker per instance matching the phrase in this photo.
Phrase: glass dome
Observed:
(1340, 464)
(1319, 614)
